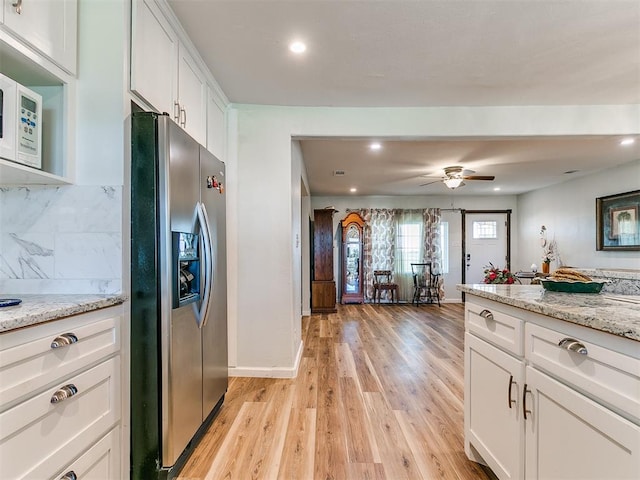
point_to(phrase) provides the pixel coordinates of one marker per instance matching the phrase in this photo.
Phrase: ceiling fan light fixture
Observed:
(452, 182)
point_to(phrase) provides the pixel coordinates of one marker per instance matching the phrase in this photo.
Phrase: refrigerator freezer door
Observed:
(181, 354)
(214, 332)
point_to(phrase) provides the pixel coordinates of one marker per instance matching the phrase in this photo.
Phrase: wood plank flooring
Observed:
(379, 395)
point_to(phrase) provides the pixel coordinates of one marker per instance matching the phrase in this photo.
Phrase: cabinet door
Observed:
(154, 57)
(216, 130)
(493, 414)
(571, 436)
(50, 26)
(192, 96)
(100, 462)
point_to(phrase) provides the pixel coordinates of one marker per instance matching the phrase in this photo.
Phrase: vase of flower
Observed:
(498, 275)
(545, 267)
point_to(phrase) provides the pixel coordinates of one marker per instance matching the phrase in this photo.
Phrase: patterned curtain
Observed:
(379, 250)
(432, 247)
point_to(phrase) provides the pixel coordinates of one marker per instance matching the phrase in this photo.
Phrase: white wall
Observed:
(568, 210)
(265, 338)
(452, 202)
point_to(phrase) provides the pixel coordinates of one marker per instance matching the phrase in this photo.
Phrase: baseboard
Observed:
(306, 313)
(270, 372)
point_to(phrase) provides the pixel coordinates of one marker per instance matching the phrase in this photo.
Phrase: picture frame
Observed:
(618, 221)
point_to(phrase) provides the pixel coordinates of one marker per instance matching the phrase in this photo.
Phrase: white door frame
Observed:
(464, 237)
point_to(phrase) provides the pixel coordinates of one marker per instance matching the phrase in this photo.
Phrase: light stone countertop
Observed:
(597, 311)
(36, 309)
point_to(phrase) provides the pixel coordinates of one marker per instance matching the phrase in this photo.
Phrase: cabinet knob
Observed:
(64, 340)
(18, 6)
(176, 111)
(573, 345)
(70, 475)
(63, 393)
(510, 400)
(524, 401)
(486, 314)
(183, 117)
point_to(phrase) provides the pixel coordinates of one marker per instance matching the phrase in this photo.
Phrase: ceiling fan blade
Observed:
(429, 183)
(479, 177)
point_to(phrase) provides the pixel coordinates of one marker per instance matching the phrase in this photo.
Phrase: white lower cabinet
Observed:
(494, 424)
(101, 461)
(570, 436)
(564, 409)
(61, 398)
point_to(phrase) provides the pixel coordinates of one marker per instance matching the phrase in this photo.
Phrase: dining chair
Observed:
(383, 282)
(426, 284)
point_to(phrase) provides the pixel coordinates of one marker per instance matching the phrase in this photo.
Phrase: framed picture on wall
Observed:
(618, 221)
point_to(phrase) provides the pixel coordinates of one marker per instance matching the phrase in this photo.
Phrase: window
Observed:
(444, 246)
(408, 245)
(485, 229)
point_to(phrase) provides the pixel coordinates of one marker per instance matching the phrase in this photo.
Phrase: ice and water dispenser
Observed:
(186, 269)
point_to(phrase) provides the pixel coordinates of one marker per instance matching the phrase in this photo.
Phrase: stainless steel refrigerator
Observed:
(178, 294)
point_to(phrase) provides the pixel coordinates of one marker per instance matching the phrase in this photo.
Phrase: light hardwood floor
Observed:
(379, 395)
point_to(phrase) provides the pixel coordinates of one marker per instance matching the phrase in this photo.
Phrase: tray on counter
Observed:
(572, 286)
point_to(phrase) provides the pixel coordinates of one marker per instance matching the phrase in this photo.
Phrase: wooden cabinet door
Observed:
(50, 26)
(493, 413)
(192, 97)
(154, 58)
(571, 436)
(323, 245)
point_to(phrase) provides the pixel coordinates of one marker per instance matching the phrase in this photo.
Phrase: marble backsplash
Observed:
(65, 239)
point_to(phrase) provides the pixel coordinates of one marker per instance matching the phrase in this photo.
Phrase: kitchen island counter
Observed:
(618, 315)
(36, 309)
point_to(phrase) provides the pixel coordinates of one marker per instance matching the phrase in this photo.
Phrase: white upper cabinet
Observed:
(192, 98)
(50, 26)
(215, 125)
(154, 54)
(164, 73)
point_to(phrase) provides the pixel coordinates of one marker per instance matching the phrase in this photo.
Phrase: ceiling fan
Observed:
(454, 177)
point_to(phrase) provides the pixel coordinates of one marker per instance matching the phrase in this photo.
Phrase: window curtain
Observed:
(409, 238)
(380, 250)
(432, 247)
(379, 244)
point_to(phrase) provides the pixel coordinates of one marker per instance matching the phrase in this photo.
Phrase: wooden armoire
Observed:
(323, 285)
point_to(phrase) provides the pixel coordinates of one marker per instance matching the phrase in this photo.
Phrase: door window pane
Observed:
(485, 229)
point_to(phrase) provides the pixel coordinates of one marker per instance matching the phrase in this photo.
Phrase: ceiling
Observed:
(401, 53)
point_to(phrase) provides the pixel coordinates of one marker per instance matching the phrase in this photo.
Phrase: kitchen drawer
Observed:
(601, 373)
(492, 324)
(100, 462)
(38, 438)
(28, 362)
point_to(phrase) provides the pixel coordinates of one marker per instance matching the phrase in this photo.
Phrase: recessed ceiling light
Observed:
(353, 190)
(628, 141)
(496, 189)
(375, 146)
(297, 47)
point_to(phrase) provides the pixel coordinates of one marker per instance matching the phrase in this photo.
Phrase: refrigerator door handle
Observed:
(201, 313)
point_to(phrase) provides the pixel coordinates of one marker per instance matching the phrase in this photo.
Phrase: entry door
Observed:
(485, 242)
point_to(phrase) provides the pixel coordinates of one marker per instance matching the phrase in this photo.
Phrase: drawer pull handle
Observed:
(64, 340)
(70, 475)
(63, 393)
(511, 382)
(486, 314)
(573, 346)
(524, 401)
(18, 6)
